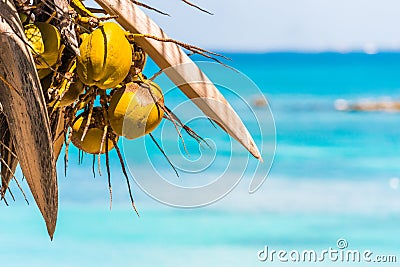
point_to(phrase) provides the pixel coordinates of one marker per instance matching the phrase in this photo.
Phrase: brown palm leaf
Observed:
(9, 160)
(24, 107)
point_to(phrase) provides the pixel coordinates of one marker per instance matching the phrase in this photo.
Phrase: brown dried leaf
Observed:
(24, 106)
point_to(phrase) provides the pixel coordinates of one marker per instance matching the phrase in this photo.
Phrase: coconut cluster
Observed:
(109, 68)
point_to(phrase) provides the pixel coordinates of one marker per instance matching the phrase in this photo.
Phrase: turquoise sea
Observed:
(336, 175)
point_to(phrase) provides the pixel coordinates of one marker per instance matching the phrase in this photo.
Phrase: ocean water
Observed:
(335, 176)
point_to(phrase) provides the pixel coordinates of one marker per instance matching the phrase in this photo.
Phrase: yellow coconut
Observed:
(70, 90)
(135, 109)
(45, 41)
(34, 37)
(106, 57)
(83, 36)
(42, 73)
(23, 17)
(93, 138)
(75, 89)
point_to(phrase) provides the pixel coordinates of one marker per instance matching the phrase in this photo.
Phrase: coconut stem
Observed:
(125, 174)
(192, 48)
(93, 170)
(67, 142)
(196, 6)
(149, 7)
(15, 179)
(108, 172)
(163, 152)
(88, 119)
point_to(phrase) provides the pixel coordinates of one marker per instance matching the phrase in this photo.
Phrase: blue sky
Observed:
(271, 25)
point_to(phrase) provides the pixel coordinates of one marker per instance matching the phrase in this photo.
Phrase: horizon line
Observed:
(305, 51)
